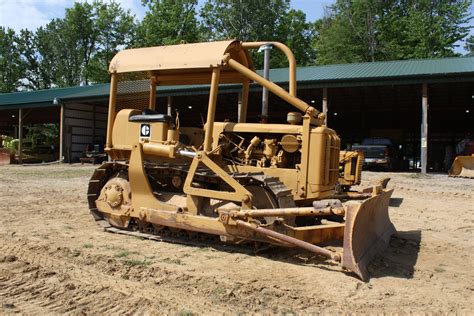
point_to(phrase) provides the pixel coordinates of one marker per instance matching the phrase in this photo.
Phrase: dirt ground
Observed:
(55, 259)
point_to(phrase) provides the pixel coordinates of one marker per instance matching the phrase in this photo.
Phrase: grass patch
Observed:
(218, 291)
(419, 175)
(135, 262)
(185, 313)
(88, 245)
(122, 254)
(173, 261)
(440, 269)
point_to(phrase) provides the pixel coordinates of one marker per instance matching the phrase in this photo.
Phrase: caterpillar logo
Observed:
(145, 131)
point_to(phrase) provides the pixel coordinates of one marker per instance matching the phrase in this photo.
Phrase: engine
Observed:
(264, 150)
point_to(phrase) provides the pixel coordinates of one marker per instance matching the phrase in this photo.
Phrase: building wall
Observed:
(84, 124)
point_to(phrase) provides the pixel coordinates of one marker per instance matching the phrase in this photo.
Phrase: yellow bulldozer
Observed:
(247, 183)
(463, 165)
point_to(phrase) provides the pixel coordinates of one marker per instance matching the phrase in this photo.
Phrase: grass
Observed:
(185, 312)
(218, 291)
(88, 245)
(440, 269)
(135, 262)
(173, 261)
(419, 175)
(122, 254)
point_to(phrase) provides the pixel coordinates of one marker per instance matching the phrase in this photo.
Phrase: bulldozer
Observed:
(241, 182)
(463, 165)
(350, 168)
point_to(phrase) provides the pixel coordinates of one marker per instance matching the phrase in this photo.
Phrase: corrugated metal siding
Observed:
(392, 72)
(84, 125)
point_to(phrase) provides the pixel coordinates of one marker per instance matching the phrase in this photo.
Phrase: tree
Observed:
(76, 49)
(11, 70)
(116, 29)
(425, 28)
(168, 22)
(258, 20)
(470, 45)
(369, 30)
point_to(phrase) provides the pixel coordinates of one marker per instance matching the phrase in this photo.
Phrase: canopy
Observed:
(198, 56)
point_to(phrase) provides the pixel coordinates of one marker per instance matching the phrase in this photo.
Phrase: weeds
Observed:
(88, 245)
(122, 254)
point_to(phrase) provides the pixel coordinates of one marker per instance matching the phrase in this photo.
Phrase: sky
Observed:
(31, 14)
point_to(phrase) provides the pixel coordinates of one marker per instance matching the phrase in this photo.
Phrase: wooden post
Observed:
(424, 129)
(20, 136)
(61, 133)
(325, 105)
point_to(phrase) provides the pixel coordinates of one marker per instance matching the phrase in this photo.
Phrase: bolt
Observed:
(246, 199)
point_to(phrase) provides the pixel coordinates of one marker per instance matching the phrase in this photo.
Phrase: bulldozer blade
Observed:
(463, 166)
(367, 231)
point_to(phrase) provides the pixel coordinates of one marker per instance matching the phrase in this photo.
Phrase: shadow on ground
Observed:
(400, 257)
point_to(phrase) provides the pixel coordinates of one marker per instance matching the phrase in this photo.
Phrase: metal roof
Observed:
(344, 75)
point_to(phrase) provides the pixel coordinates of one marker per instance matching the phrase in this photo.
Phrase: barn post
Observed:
(170, 104)
(325, 105)
(61, 134)
(424, 129)
(20, 135)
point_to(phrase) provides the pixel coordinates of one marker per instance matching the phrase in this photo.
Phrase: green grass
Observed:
(185, 312)
(88, 245)
(122, 254)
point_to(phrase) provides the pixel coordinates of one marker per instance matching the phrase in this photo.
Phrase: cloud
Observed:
(21, 14)
(31, 14)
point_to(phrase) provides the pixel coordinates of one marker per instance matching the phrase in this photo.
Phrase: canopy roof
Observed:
(444, 70)
(178, 58)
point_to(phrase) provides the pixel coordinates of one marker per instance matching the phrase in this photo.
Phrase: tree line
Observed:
(77, 48)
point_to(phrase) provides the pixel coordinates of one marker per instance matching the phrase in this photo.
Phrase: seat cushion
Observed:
(150, 118)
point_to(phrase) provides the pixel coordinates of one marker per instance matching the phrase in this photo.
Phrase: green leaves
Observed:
(369, 30)
(258, 20)
(78, 48)
(11, 68)
(168, 22)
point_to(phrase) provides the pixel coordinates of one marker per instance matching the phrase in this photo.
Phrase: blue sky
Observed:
(31, 14)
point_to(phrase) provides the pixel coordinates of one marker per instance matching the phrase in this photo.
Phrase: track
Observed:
(108, 170)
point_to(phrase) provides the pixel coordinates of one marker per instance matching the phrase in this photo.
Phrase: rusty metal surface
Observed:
(367, 232)
(290, 240)
(5, 156)
(463, 166)
(173, 57)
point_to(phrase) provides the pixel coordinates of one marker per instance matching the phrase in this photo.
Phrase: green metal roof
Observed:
(382, 71)
(344, 75)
